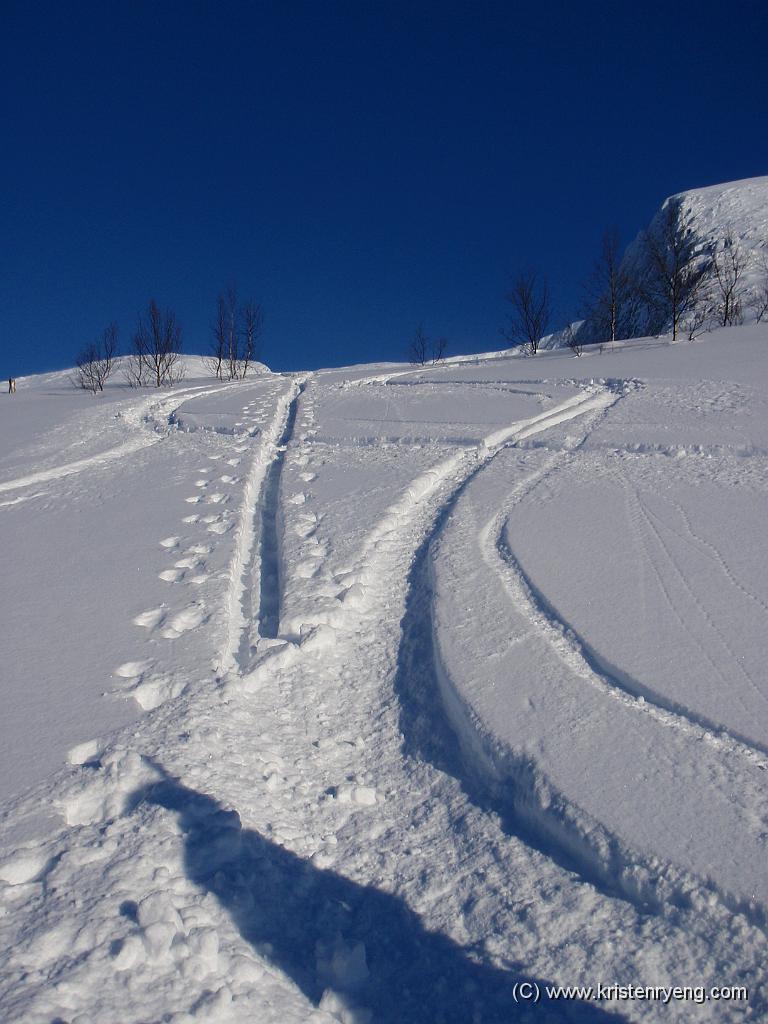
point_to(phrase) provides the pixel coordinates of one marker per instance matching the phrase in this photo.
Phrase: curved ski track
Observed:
(136, 416)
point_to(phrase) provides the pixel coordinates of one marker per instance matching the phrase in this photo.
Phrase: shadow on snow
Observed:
(327, 932)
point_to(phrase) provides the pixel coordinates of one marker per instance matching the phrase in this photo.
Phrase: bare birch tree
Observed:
(677, 267)
(761, 293)
(729, 267)
(156, 353)
(530, 314)
(215, 360)
(419, 350)
(96, 362)
(612, 305)
(236, 336)
(439, 346)
(252, 325)
(572, 338)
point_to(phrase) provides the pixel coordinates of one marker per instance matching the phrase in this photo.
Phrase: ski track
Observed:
(268, 616)
(136, 416)
(245, 568)
(579, 655)
(567, 844)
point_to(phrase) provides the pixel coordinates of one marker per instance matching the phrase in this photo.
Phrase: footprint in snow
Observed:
(190, 562)
(153, 692)
(306, 477)
(150, 619)
(217, 499)
(199, 549)
(170, 542)
(84, 752)
(183, 621)
(171, 575)
(233, 462)
(190, 519)
(193, 499)
(132, 669)
(219, 528)
(228, 479)
(18, 870)
(202, 483)
(305, 529)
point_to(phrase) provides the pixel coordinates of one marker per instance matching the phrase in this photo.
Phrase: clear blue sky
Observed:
(357, 167)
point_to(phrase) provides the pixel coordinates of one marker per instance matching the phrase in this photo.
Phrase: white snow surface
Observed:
(366, 695)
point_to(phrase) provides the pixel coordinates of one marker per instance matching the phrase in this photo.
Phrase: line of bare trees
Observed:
(677, 283)
(154, 357)
(424, 349)
(236, 336)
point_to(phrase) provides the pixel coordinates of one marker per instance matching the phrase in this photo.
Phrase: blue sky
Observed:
(357, 168)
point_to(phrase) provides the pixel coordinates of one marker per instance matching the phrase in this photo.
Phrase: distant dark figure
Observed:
(11, 385)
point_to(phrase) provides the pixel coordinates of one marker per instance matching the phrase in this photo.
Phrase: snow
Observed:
(365, 694)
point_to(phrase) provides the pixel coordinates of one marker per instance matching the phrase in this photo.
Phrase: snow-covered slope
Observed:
(735, 209)
(741, 206)
(368, 695)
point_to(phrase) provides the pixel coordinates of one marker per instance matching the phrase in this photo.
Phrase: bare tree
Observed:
(761, 293)
(529, 318)
(252, 321)
(229, 316)
(96, 362)
(236, 335)
(677, 267)
(613, 304)
(698, 320)
(439, 346)
(419, 350)
(572, 338)
(215, 360)
(156, 355)
(729, 267)
(223, 358)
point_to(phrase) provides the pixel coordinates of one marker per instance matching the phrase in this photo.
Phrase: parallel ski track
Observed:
(242, 612)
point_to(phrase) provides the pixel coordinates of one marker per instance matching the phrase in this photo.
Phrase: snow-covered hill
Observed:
(736, 210)
(369, 695)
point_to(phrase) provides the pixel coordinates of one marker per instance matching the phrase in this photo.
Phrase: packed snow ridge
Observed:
(369, 695)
